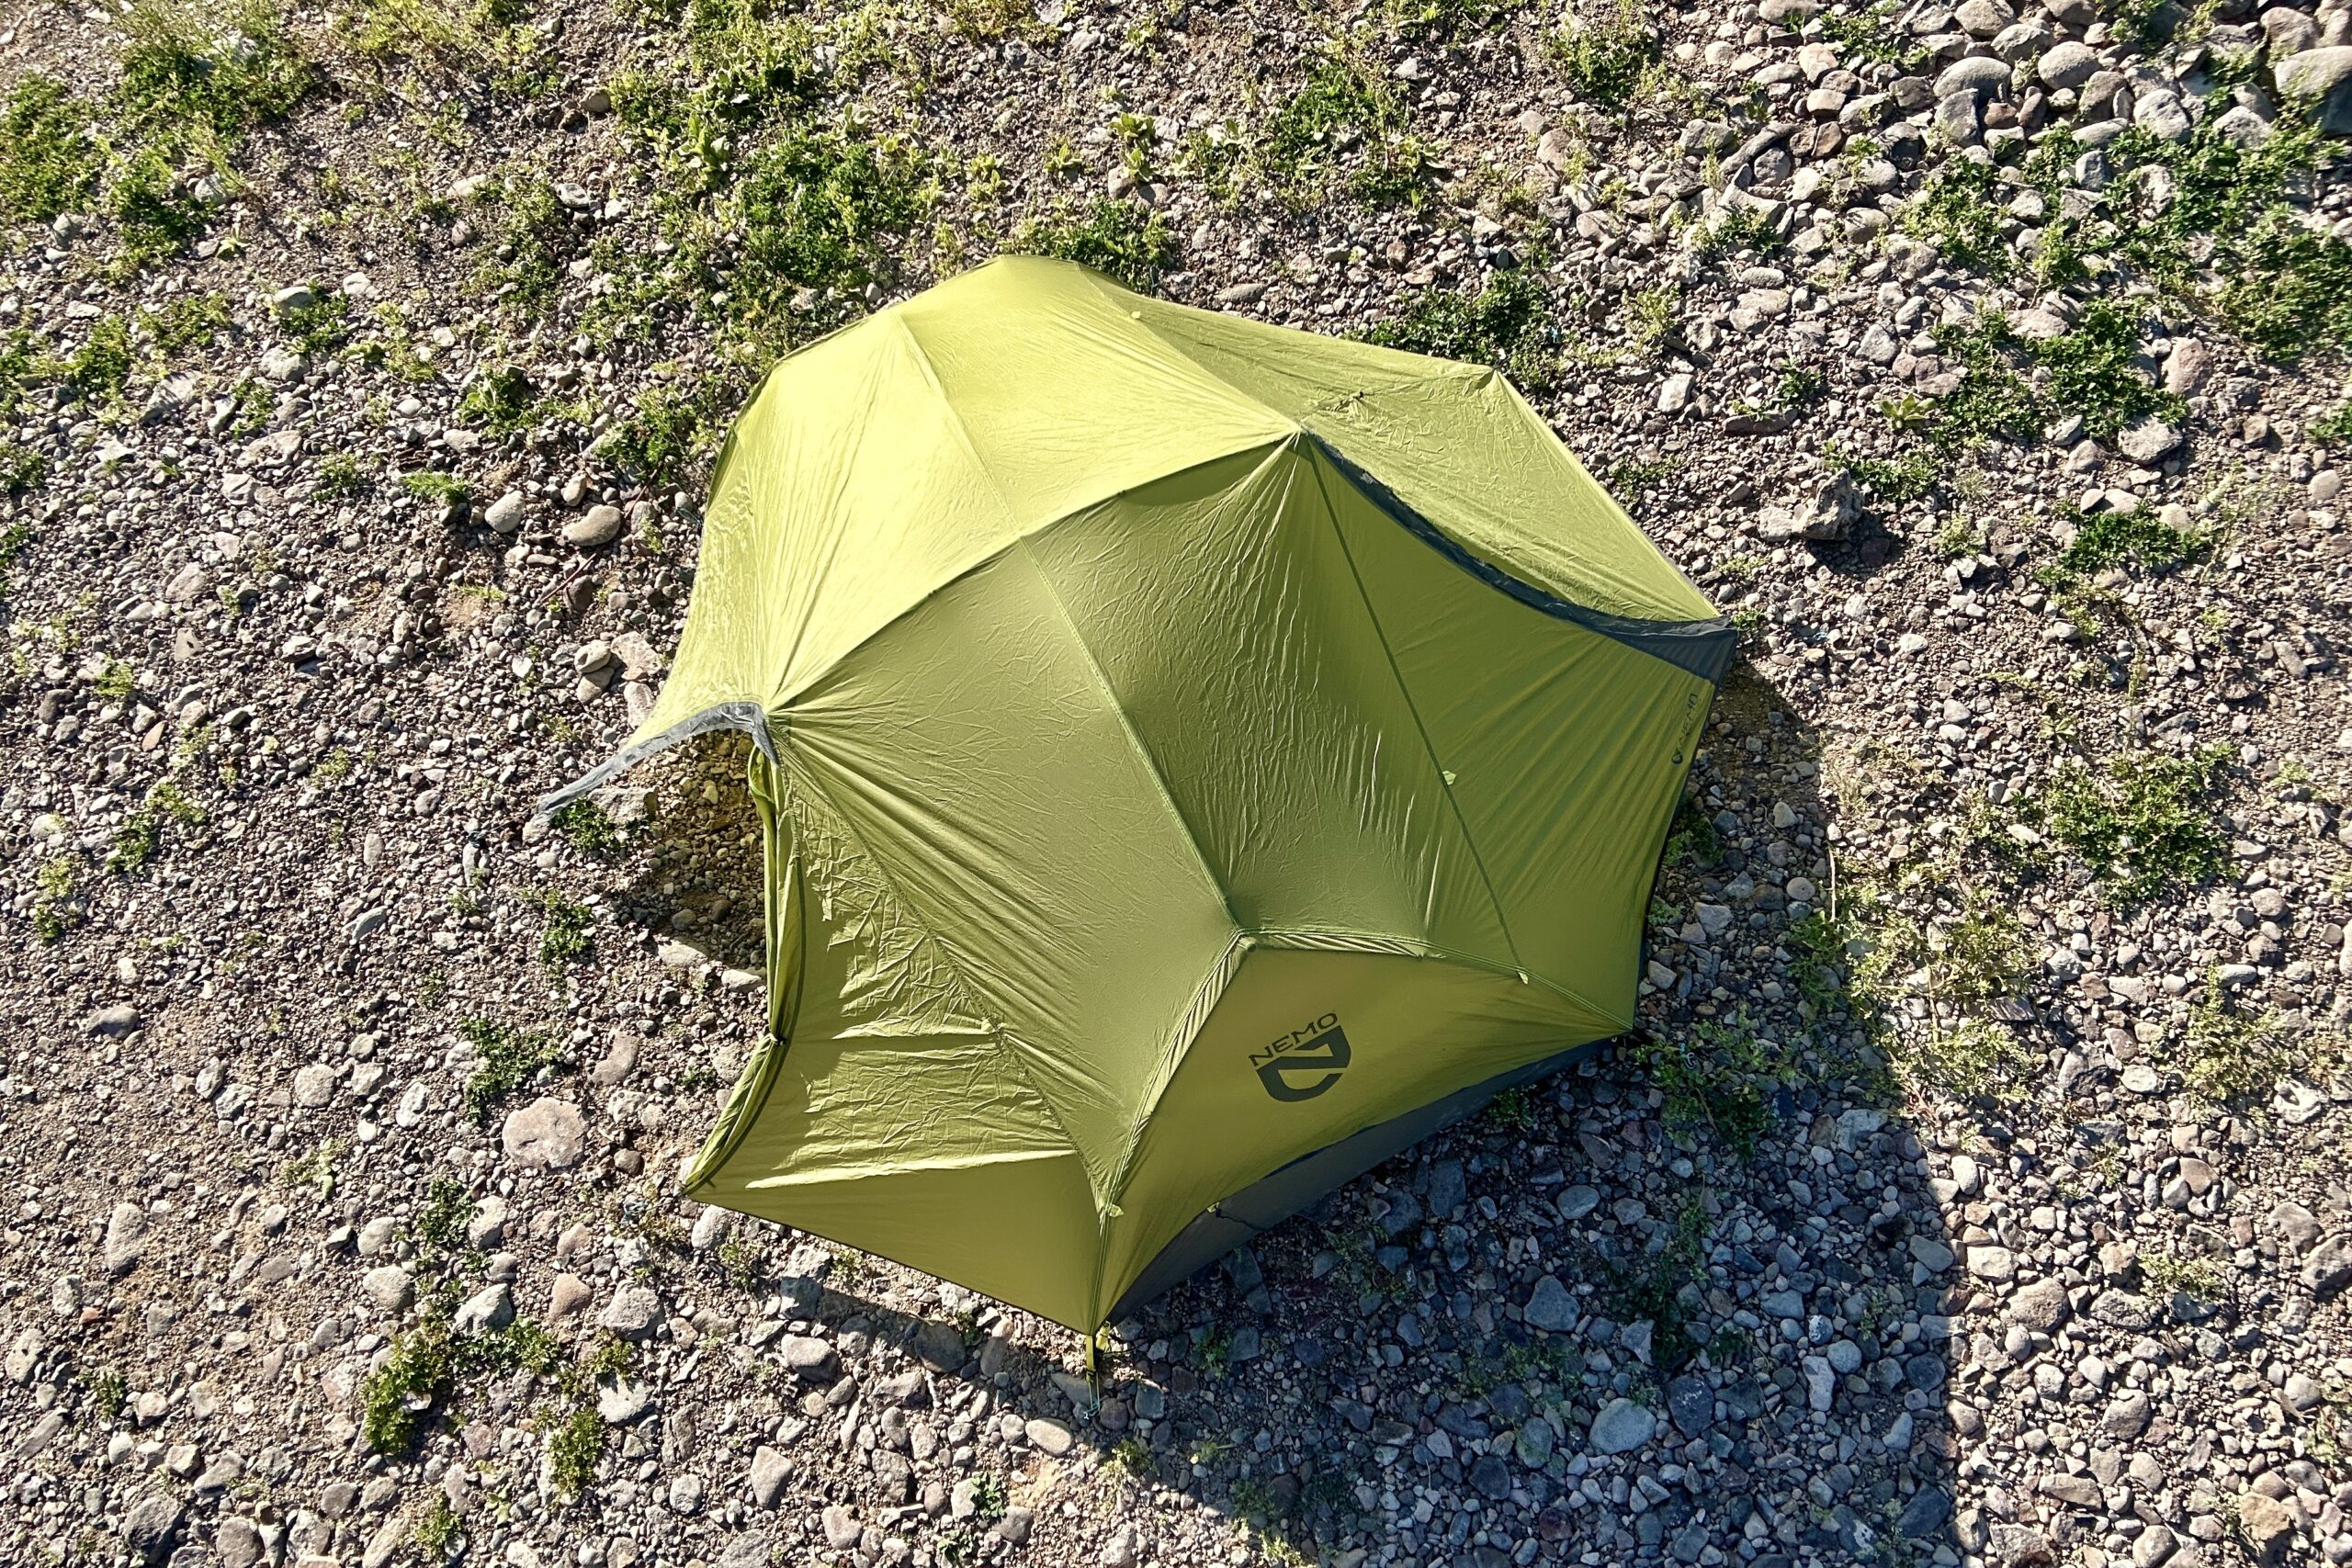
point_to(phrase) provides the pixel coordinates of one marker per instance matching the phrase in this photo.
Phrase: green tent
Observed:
(1198, 760)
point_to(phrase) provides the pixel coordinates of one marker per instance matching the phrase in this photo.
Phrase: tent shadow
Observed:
(1715, 1236)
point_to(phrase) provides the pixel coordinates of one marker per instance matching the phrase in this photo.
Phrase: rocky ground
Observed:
(1977, 1193)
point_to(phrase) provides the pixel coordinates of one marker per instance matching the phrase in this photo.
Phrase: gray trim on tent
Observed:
(749, 717)
(1698, 648)
(1265, 1203)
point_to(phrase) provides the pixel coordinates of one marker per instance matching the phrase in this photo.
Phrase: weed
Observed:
(1345, 103)
(534, 236)
(55, 909)
(135, 843)
(1894, 481)
(568, 933)
(738, 1259)
(318, 327)
(340, 476)
(1121, 238)
(1961, 207)
(47, 163)
(100, 367)
(437, 1530)
(182, 79)
(2092, 373)
(439, 1228)
(1872, 35)
(1653, 1291)
(110, 1391)
(154, 208)
(1507, 324)
(2139, 821)
(503, 400)
(589, 828)
(428, 485)
(2196, 1279)
(21, 470)
(507, 1058)
(419, 1370)
(817, 210)
(315, 1169)
(1720, 1076)
(2106, 539)
(1606, 55)
(1513, 1110)
(2230, 1058)
(1692, 839)
(1740, 229)
(573, 1447)
(669, 431)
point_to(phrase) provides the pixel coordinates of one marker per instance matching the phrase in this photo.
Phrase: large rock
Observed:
(548, 1133)
(770, 1471)
(1550, 1306)
(2040, 1306)
(2068, 64)
(632, 1312)
(2269, 1526)
(2329, 1267)
(1978, 76)
(1622, 1426)
(126, 1238)
(150, 1525)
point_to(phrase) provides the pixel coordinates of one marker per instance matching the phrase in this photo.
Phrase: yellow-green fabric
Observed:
(1150, 706)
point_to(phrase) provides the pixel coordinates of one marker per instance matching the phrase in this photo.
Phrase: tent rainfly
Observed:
(1198, 759)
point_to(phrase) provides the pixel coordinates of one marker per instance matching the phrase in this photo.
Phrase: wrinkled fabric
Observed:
(1187, 744)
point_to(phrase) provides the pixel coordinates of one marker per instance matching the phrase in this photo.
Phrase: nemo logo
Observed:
(1306, 1062)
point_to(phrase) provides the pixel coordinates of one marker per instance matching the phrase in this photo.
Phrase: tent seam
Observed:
(996, 1031)
(783, 700)
(1117, 1177)
(1478, 858)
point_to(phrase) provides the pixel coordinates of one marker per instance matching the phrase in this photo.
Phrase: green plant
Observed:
(318, 327)
(438, 1529)
(135, 842)
(418, 1371)
(568, 933)
(101, 366)
(186, 79)
(574, 1446)
(1652, 1289)
(1720, 1076)
(1122, 238)
(506, 1059)
(438, 1227)
(2106, 539)
(340, 476)
(1605, 54)
(1739, 229)
(315, 1169)
(1346, 108)
(110, 1391)
(55, 910)
(503, 400)
(49, 164)
(590, 828)
(2233, 1059)
(1870, 34)
(533, 237)
(1507, 325)
(2139, 821)
(1513, 1110)
(427, 485)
